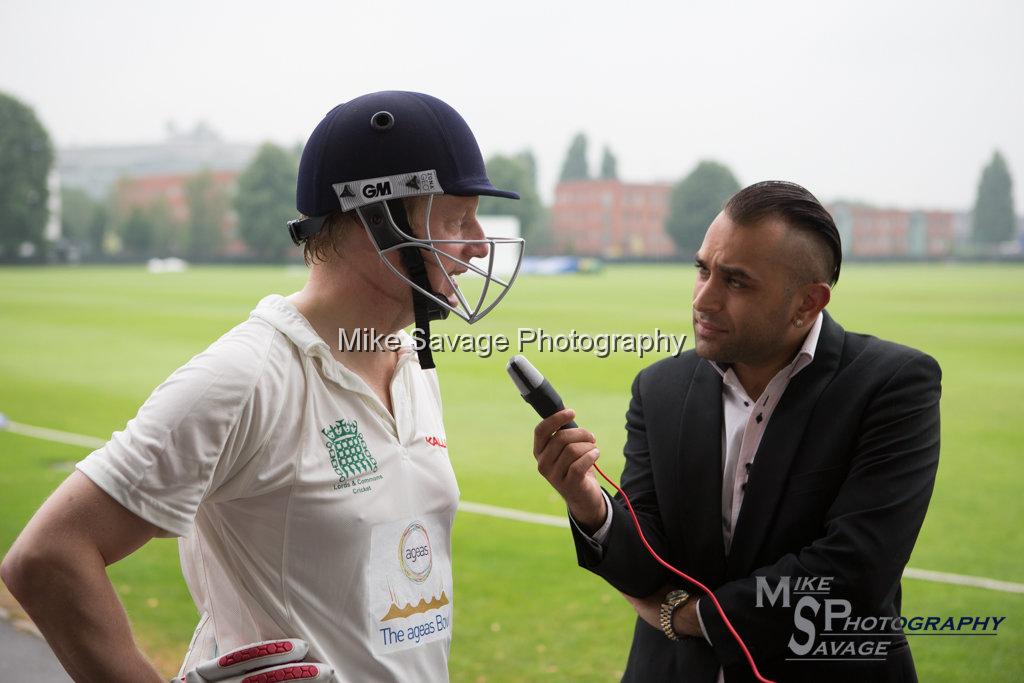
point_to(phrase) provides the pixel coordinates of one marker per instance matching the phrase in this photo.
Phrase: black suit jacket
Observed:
(838, 488)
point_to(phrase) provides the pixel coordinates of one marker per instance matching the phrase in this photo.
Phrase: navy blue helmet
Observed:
(368, 154)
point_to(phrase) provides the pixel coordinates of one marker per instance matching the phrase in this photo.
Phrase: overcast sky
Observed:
(894, 103)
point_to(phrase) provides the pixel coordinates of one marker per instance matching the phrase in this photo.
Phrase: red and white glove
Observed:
(269, 661)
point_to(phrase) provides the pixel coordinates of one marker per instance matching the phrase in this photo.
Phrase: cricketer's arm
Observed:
(57, 570)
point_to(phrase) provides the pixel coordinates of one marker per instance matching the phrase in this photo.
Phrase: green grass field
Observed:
(81, 349)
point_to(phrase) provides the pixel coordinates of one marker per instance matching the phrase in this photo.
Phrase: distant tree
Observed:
(516, 173)
(536, 215)
(695, 201)
(994, 219)
(530, 162)
(266, 201)
(150, 230)
(575, 166)
(99, 229)
(137, 234)
(169, 235)
(80, 220)
(207, 211)
(609, 165)
(26, 156)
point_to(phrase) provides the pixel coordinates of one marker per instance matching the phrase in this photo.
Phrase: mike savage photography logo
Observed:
(602, 344)
(845, 636)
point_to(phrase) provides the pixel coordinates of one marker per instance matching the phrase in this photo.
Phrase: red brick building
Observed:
(611, 219)
(871, 232)
(145, 191)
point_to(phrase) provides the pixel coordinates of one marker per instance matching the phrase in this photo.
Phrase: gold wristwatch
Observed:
(674, 600)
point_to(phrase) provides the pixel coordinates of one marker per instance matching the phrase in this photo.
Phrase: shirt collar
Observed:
(283, 316)
(806, 353)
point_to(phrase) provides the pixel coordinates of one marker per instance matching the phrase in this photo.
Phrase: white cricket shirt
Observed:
(305, 509)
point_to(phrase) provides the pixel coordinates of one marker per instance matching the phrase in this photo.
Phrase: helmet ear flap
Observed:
(400, 216)
(399, 228)
(386, 222)
(388, 225)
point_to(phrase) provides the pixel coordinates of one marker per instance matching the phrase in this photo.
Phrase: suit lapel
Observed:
(779, 446)
(700, 473)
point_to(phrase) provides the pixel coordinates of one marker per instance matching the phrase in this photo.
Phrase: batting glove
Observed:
(269, 661)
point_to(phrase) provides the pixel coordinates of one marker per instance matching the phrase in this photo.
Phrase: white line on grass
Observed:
(54, 435)
(963, 580)
(532, 517)
(509, 513)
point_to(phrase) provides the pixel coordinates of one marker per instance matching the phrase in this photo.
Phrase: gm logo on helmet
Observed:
(381, 189)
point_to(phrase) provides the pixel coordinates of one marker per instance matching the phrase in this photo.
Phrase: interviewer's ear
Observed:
(814, 297)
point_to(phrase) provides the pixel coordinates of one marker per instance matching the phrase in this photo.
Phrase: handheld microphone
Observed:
(534, 389)
(539, 393)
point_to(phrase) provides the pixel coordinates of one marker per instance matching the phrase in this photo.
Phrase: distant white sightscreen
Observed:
(505, 255)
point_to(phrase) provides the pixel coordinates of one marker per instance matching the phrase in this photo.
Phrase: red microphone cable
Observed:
(695, 582)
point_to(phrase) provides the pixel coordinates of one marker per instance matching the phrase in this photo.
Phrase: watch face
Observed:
(677, 595)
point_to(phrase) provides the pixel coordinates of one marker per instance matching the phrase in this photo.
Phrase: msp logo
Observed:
(350, 456)
(845, 635)
(414, 553)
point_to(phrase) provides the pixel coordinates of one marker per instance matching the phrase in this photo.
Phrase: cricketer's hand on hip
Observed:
(268, 661)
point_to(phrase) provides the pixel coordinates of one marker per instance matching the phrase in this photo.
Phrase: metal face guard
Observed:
(387, 236)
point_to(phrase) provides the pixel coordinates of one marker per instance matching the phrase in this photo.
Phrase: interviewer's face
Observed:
(744, 298)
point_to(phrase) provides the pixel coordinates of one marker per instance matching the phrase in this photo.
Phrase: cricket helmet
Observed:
(368, 154)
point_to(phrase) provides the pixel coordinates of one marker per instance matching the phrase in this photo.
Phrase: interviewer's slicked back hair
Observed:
(795, 206)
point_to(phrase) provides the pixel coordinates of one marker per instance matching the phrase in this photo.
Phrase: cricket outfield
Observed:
(82, 348)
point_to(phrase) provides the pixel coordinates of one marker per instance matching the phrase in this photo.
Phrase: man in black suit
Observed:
(782, 447)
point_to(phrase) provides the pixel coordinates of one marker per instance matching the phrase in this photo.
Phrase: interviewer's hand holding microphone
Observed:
(566, 455)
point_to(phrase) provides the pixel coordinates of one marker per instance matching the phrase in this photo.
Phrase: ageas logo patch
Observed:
(414, 553)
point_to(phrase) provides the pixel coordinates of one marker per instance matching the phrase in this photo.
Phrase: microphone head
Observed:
(523, 374)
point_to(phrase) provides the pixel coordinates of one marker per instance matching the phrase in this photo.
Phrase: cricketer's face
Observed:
(744, 298)
(451, 218)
